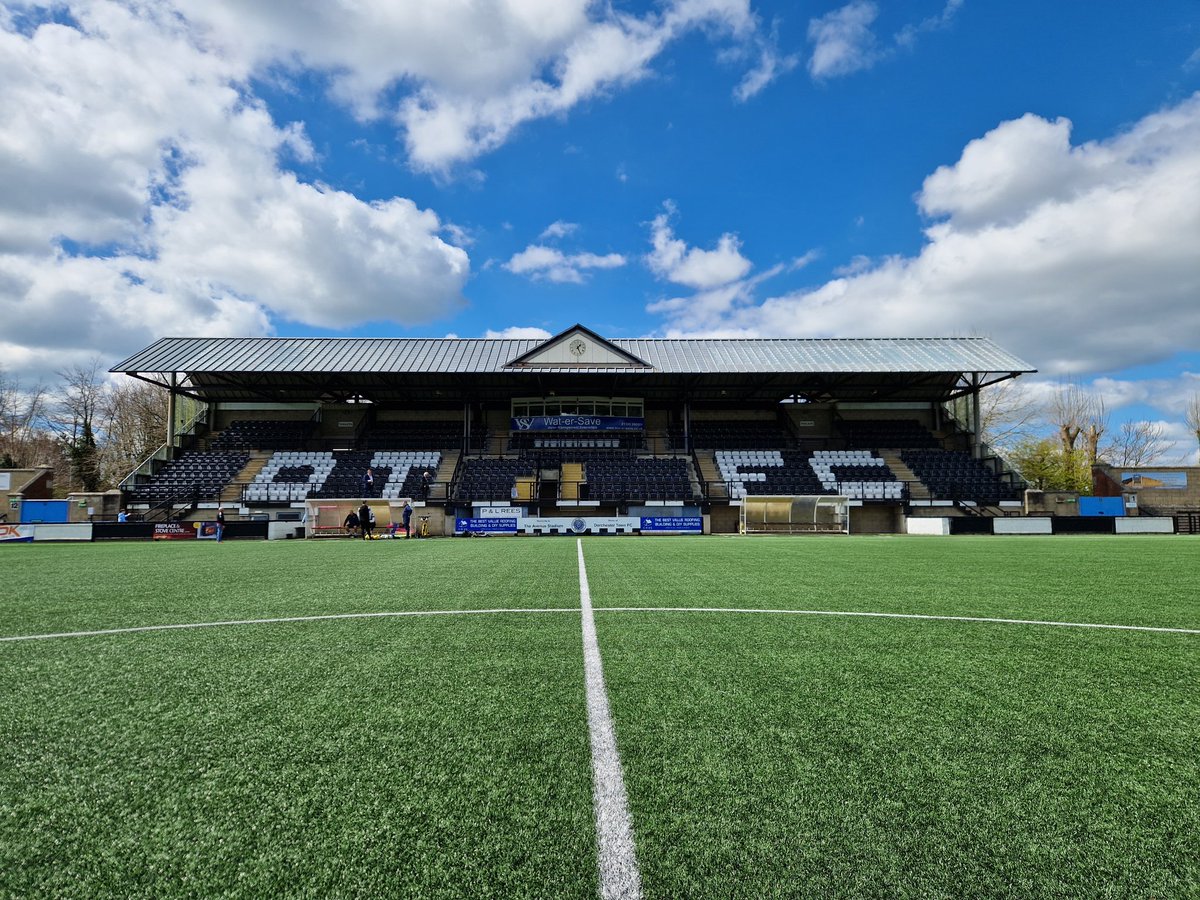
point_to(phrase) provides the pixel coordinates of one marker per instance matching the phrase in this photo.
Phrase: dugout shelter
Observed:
(578, 425)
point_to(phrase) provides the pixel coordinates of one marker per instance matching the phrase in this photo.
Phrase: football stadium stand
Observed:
(579, 424)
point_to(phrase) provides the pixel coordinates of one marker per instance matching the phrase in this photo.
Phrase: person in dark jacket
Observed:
(351, 523)
(364, 521)
(407, 517)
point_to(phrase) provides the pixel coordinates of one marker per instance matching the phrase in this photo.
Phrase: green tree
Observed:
(1049, 466)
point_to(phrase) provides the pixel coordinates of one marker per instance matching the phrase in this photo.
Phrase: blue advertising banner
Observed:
(485, 526)
(673, 524)
(578, 423)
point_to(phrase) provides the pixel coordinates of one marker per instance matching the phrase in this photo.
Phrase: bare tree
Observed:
(1137, 444)
(133, 423)
(1007, 414)
(1068, 410)
(1096, 424)
(1074, 413)
(1192, 415)
(20, 416)
(75, 417)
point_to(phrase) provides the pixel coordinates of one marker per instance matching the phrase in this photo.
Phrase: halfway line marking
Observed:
(619, 876)
(374, 615)
(887, 615)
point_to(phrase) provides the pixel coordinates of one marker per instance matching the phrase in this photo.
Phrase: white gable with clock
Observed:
(577, 346)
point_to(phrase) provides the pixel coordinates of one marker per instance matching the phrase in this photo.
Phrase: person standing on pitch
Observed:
(407, 516)
(364, 520)
(220, 525)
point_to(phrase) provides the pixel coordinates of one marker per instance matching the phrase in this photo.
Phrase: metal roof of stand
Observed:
(408, 370)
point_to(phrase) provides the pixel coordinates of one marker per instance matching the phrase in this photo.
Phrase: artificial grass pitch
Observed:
(765, 754)
(1135, 580)
(777, 756)
(53, 588)
(368, 758)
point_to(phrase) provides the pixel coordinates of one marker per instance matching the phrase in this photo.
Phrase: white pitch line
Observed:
(374, 615)
(887, 615)
(603, 609)
(619, 876)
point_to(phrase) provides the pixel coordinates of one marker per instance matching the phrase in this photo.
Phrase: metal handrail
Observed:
(162, 452)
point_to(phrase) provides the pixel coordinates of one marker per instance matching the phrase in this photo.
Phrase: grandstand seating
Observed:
(866, 434)
(570, 440)
(855, 474)
(954, 475)
(490, 479)
(767, 472)
(198, 475)
(407, 468)
(620, 480)
(256, 434)
(858, 474)
(734, 434)
(291, 476)
(420, 434)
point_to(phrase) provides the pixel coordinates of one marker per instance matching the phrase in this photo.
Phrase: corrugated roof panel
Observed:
(693, 356)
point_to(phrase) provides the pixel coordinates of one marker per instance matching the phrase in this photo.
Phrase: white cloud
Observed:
(907, 36)
(558, 229)
(843, 41)
(1084, 265)
(465, 74)
(515, 332)
(1016, 166)
(693, 267)
(538, 262)
(771, 65)
(127, 138)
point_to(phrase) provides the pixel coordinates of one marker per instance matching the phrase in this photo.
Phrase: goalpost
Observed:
(808, 514)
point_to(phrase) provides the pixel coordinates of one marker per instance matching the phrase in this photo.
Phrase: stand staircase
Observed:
(232, 492)
(710, 475)
(916, 488)
(569, 480)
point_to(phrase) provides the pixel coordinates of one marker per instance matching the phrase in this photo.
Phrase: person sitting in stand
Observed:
(351, 523)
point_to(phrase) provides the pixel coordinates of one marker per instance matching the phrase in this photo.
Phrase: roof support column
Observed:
(171, 415)
(687, 425)
(976, 418)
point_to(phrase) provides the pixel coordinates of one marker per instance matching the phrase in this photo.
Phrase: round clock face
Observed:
(577, 347)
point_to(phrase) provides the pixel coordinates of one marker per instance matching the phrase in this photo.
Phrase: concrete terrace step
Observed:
(916, 489)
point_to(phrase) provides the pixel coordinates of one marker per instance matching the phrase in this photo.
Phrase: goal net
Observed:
(810, 514)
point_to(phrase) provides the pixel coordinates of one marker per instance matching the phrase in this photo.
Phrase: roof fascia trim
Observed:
(523, 360)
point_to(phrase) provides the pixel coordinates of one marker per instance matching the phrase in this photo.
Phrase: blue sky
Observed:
(1025, 171)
